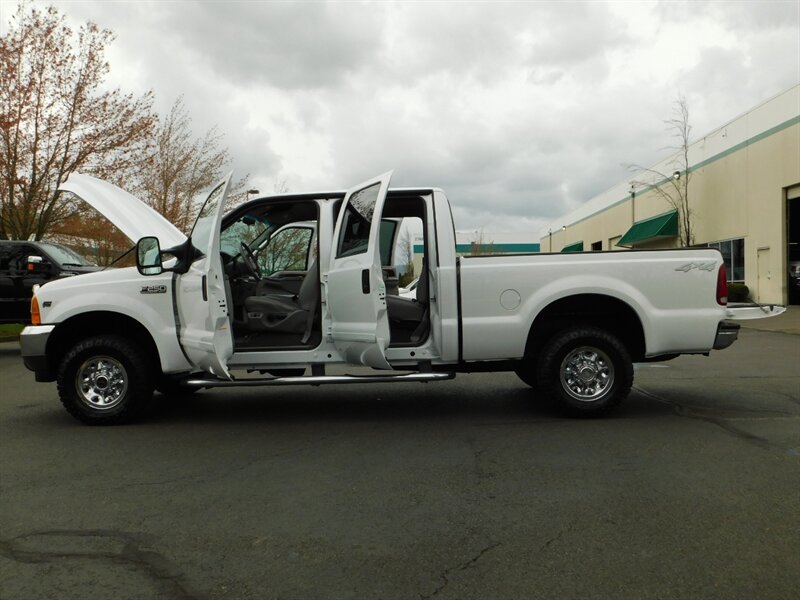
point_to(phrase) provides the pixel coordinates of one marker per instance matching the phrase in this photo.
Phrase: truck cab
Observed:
(25, 264)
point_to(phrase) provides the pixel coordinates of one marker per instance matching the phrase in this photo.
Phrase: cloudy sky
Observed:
(521, 111)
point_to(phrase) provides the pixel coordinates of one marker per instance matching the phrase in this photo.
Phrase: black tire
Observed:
(105, 380)
(586, 370)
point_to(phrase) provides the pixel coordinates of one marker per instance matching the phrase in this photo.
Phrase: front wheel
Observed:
(105, 380)
(586, 370)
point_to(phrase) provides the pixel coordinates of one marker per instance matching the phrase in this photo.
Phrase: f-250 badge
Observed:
(703, 266)
(153, 289)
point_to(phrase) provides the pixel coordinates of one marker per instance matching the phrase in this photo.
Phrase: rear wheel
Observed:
(105, 380)
(586, 370)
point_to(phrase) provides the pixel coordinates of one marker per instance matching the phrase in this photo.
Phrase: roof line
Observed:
(735, 148)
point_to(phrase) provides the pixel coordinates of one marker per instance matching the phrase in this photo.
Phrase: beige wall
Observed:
(739, 194)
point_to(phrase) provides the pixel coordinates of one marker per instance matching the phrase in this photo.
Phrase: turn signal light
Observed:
(722, 285)
(36, 316)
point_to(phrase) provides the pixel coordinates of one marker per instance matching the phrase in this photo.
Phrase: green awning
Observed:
(573, 247)
(658, 227)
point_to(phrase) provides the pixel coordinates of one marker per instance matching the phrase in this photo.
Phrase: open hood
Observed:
(132, 216)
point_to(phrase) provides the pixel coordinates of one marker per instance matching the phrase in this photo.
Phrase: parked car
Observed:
(25, 264)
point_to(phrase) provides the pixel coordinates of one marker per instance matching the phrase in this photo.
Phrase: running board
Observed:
(316, 380)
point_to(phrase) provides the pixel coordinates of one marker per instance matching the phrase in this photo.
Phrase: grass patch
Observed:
(10, 329)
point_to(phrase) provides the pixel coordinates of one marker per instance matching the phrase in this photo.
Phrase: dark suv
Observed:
(23, 265)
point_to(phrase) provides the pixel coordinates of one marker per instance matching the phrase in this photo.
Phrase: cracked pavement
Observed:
(466, 489)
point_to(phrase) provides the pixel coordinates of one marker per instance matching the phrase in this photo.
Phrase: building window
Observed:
(733, 255)
(597, 246)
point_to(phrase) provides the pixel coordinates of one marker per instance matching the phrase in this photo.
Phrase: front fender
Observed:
(147, 300)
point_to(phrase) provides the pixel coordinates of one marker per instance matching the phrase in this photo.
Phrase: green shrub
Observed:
(407, 277)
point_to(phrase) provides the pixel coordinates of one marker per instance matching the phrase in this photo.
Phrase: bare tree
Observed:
(281, 186)
(479, 245)
(56, 119)
(674, 187)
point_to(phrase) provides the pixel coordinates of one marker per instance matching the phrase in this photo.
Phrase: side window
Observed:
(5, 257)
(288, 250)
(13, 258)
(357, 221)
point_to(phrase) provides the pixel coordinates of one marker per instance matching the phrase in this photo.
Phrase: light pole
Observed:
(633, 203)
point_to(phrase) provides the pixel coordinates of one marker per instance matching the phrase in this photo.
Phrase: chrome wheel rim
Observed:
(587, 374)
(101, 382)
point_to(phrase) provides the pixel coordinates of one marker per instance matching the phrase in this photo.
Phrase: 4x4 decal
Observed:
(703, 266)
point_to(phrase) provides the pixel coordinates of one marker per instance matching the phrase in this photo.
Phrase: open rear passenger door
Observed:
(205, 331)
(355, 291)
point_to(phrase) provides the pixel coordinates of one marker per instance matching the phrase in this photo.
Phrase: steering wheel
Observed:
(250, 261)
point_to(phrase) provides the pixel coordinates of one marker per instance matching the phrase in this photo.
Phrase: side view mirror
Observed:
(148, 256)
(35, 263)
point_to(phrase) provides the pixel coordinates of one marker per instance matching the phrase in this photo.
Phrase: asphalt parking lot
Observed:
(464, 489)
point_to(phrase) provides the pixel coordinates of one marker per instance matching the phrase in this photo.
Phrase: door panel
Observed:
(355, 290)
(206, 334)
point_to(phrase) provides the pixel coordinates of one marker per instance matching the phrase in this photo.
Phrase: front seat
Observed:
(286, 313)
(410, 313)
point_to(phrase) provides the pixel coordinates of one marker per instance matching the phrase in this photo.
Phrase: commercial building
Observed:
(743, 197)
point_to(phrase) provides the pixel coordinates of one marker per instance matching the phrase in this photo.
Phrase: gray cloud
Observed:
(743, 16)
(286, 45)
(521, 111)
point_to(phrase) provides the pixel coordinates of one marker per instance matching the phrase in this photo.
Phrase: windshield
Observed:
(247, 229)
(65, 256)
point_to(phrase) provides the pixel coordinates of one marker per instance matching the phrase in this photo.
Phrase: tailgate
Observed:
(744, 312)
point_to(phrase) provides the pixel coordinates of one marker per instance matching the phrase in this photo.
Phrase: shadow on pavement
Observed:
(389, 405)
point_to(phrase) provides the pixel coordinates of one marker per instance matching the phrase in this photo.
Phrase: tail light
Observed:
(722, 285)
(36, 316)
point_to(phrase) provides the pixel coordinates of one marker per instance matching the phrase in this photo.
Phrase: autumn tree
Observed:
(92, 236)
(56, 118)
(673, 187)
(180, 165)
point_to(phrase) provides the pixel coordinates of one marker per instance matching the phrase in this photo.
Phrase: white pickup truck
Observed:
(281, 287)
